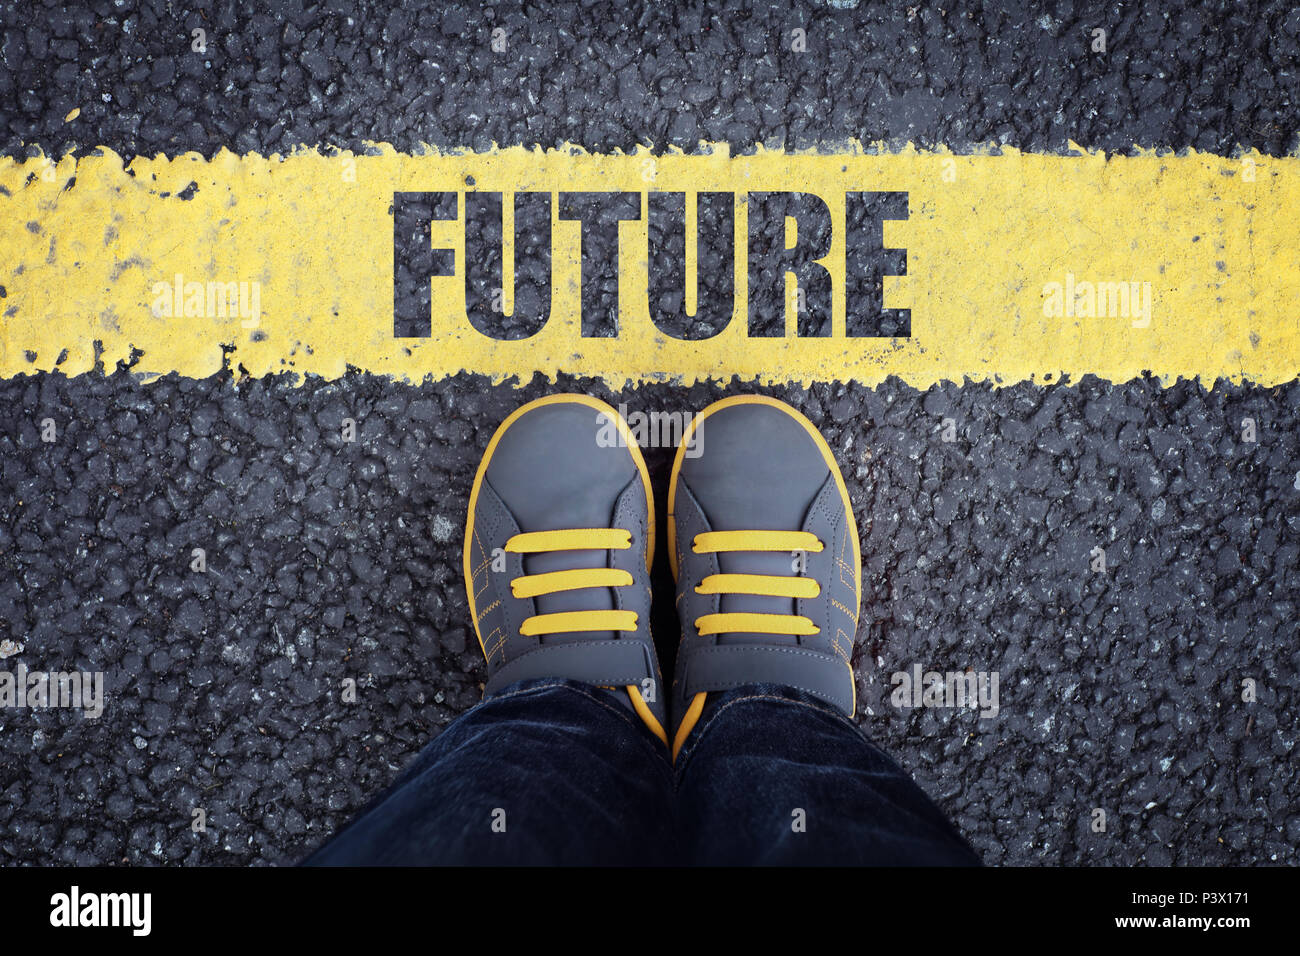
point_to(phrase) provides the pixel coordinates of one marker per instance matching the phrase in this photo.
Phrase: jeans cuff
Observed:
(614, 699)
(720, 699)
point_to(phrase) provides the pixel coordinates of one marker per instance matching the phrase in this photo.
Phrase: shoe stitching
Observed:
(844, 566)
(847, 652)
(500, 645)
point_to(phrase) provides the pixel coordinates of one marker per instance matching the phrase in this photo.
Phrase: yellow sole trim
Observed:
(646, 714)
(689, 720)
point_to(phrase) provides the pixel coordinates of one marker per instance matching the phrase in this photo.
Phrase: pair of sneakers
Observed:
(762, 542)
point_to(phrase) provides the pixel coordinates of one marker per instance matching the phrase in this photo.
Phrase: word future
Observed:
(773, 250)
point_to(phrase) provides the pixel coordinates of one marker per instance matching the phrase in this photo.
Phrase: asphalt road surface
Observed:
(1120, 691)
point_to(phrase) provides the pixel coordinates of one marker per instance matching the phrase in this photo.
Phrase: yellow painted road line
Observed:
(1018, 266)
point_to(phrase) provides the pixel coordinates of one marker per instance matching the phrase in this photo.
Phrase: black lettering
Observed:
(600, 214)
(415, 262)
(867, 262)
(485, 264)
(770, 260)
(715, 264)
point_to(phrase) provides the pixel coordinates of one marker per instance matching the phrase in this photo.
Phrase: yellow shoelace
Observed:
(763, 585)
(552, 582)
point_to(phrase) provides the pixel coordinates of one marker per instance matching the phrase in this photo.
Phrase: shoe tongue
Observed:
(582, 599)
(775, 563)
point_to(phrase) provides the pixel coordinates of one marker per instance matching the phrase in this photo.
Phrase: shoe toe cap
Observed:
(757, 467)
(561, 465)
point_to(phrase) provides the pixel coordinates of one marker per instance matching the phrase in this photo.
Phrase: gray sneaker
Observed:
(558, 547)
(764, 548)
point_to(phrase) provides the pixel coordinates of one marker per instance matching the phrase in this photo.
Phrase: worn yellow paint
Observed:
(1218, 239)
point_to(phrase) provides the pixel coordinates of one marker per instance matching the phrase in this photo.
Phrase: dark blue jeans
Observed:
(560, 772)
